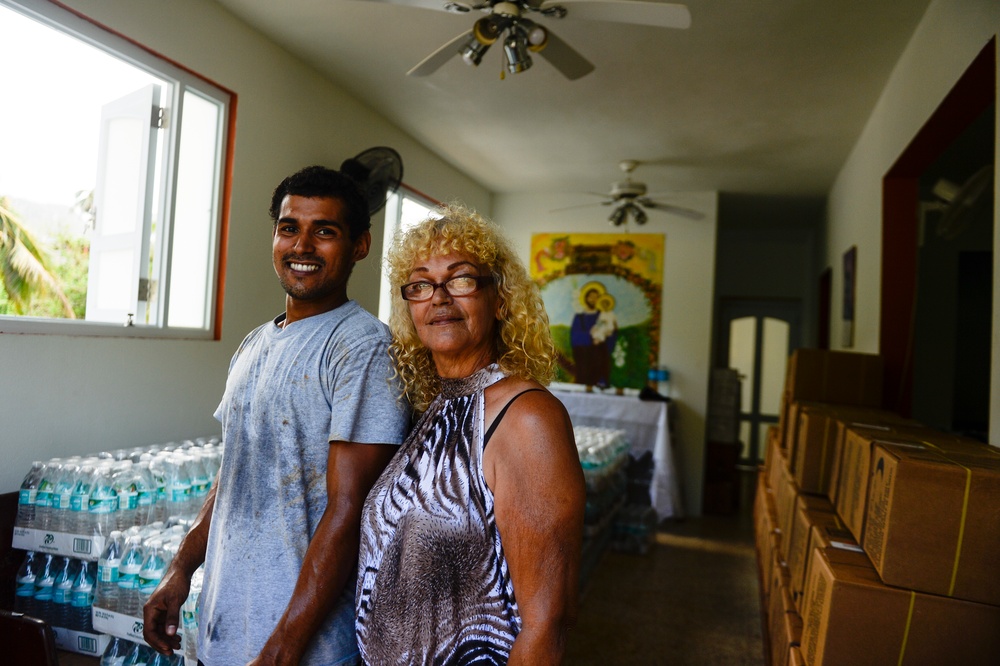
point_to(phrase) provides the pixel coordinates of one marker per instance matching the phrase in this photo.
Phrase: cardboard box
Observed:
(784, 623)
(809, 511)
(81, 642)
(856, 462)
(838, 377)
(828, 532)
(852, 618)
(933, 520)
(816, 446)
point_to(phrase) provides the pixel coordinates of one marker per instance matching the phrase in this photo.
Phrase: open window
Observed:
(403, 209)
(112, 182)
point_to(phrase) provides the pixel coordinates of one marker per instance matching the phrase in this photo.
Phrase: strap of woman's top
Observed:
(496, 421)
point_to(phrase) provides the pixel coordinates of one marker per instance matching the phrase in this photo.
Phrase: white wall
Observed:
(65, 395)
(686, 321)
(945, 43)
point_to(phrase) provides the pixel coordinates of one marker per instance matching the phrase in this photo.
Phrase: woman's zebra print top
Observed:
(433, 584)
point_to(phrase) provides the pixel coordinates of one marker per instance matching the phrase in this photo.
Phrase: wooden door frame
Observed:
(974, 92)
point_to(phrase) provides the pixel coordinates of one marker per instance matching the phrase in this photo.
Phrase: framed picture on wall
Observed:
(602, 295)
(850, 287)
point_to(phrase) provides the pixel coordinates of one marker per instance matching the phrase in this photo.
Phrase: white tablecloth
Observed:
(646, 429)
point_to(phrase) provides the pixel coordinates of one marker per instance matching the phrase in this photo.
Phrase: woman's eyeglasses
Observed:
(461, 285)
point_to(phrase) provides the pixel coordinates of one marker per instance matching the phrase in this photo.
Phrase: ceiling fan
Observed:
(629, 198)
(506, 21)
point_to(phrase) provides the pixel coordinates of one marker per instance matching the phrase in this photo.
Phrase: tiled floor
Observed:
(693, 599)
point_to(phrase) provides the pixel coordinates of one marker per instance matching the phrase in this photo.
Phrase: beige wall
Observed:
(64, 395)
(947, 40)
(688, 284)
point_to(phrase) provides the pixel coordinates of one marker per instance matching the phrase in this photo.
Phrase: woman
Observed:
(470, 544)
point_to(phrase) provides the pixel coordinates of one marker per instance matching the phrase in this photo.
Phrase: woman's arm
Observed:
(533, 468)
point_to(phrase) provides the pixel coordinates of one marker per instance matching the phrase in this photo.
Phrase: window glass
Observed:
(112, 175)
(403, 209)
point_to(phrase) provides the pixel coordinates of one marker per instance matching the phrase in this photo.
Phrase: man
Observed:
(310, 417)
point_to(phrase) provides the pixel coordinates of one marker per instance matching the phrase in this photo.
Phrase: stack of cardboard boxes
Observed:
(877, 538)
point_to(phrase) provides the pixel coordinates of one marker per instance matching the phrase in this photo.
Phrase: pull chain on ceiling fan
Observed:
(505, 22)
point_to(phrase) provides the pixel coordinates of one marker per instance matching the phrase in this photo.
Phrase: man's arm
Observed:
(332, 555)
(162, 610)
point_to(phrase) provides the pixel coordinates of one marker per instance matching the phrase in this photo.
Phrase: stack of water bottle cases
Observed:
(99, 532)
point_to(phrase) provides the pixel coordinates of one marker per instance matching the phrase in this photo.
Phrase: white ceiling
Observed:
(757, 97)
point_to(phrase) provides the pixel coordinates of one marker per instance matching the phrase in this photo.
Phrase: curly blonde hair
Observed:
(523, 342)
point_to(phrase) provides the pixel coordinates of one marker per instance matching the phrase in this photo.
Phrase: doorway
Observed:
(756, 338)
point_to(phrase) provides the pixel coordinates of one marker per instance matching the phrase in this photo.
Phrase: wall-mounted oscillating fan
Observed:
(379, 171)
(506, 22)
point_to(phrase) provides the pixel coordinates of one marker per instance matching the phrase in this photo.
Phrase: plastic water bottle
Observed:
(147, 492)
(108, 568)
(44, 581)
(138, 655)
(24, 591)
(201, 480)
(178, 485)
(153, 567)
(116, 652)
(61, 499)
(62, 592)
(128, 576)
(157, 468)
(123, 479)
(82, 601)
(103, 504)
(27, 494)
(43, 498)
(157, 659)
(79, 501)
(189, 616)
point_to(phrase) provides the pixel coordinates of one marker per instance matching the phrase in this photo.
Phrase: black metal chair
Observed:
(27, 640)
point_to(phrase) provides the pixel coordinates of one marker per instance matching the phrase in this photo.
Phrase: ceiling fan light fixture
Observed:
(473, 50)
(486, 31)
(516, 49)
(538, 38)
(639, 215)
(617, 217)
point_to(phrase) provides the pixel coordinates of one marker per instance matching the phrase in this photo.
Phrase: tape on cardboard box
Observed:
(852, 617)
(933, 521)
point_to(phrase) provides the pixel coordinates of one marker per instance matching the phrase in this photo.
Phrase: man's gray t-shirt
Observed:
(289, 393)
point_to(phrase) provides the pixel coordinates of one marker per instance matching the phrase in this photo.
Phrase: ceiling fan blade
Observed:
(676, 210)
(639, 12)
(443, 54)
(563, 57)
(441, 5)
(586, 205)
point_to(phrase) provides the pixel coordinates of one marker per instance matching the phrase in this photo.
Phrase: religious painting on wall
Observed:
(602, 293)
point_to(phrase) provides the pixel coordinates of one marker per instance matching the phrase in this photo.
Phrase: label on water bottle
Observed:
(83, 597)
(43, 591)
(106, 505)
(62, 594)
(188, 619)
(25, 587)
(61, 500)
(128, 577)
(27, 496)
(149, 582)
(128, 499)
(179, 492)
(79, 502)
(107, 571)
(43, 497)
(146, 497)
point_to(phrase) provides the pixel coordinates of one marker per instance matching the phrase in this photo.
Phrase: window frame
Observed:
(183, 80)
(393, 213)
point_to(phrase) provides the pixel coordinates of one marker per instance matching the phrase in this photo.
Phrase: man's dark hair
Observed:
(319, 181)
